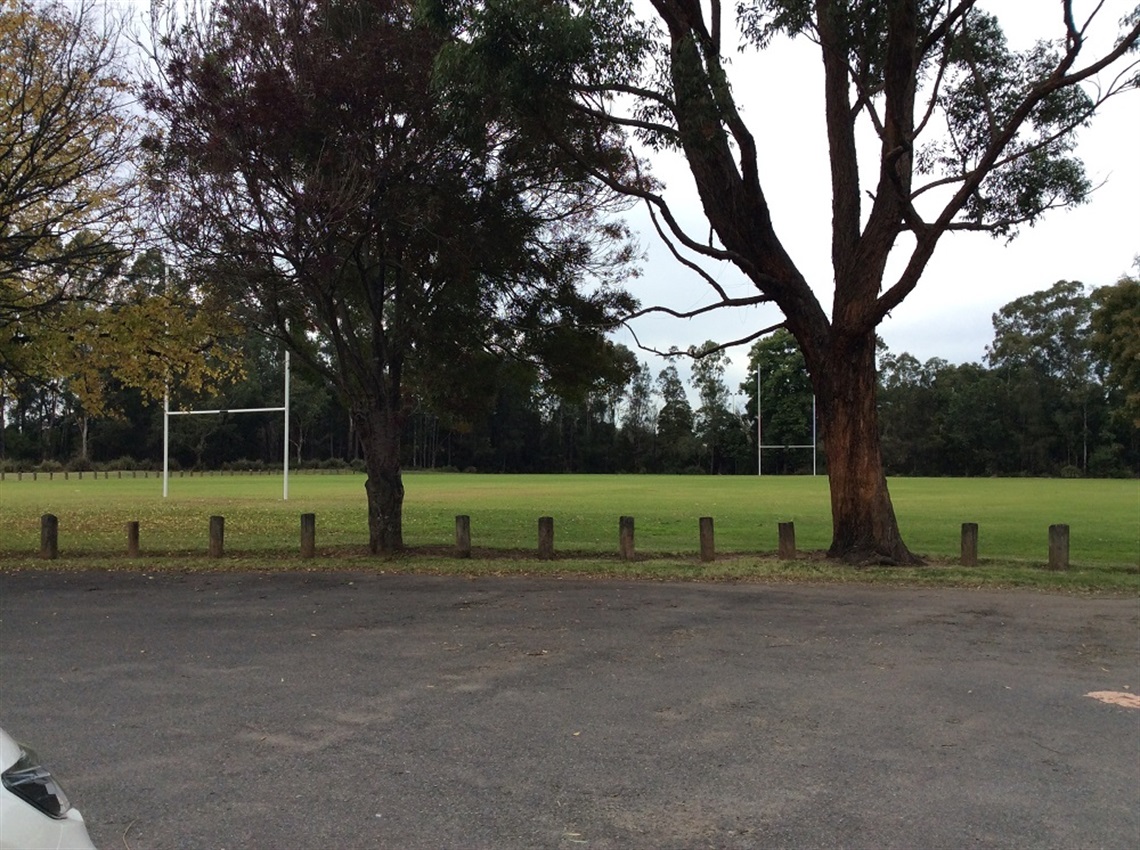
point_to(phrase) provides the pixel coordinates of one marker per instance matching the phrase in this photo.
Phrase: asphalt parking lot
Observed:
(357, 710)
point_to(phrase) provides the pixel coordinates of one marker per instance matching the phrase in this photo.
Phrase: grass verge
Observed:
(262, 531)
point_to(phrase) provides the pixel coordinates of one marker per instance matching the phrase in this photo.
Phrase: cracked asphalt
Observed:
(362, 710)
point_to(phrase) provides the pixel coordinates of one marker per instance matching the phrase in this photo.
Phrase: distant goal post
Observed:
(760, 446)
(167, 413)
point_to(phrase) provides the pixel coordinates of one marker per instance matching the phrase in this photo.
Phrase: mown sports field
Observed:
(262, 530)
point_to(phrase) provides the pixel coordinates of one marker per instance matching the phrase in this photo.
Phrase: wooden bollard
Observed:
(969, 544)
(133, 539)
(1058, 547)
(308, 535)
(708, 546)
(49, 537)
(787, 533)
(463, 536)
(625, 537)
(546, 537)
(217, 536)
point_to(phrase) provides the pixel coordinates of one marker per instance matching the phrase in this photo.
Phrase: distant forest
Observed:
(1047, 401)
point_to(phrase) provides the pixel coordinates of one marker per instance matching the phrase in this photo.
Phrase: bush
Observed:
(1071, 472)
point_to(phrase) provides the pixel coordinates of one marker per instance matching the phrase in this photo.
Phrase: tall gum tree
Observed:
(965, 134)
(398, 238)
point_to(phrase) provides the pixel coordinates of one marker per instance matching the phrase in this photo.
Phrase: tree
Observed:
(1041, 347)
(1115, 323)
(638, 421)
(67, 135)
(399, 239)
(675, 442)
(786, 400)
(720, 433)
(965, 135)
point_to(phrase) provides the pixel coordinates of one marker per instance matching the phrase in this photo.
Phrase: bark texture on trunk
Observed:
(864, 527)
(380, 439)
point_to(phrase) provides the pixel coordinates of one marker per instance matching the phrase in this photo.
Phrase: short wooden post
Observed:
(308, 535)
(1058, 547)
(625, 537)
(708, 547)
(969, 544)
(133, 539)
(49, 537)
(787, 532)
(463, 536)
(546, 537)
(217, 536)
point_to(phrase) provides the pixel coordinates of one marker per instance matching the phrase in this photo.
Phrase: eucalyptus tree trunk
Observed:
(864, 526)
(379, 431)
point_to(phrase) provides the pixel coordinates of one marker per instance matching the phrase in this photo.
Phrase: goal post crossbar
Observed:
(167, 413)
(226, 410)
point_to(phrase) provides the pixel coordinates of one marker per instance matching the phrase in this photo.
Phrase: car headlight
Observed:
(35, 785)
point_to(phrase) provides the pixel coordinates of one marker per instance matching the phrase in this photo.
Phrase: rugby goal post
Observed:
(760, 436)
(167, 413)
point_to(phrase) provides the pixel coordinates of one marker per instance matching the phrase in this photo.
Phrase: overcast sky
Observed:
(971, 275)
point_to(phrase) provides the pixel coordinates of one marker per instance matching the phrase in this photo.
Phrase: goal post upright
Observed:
(285, 459)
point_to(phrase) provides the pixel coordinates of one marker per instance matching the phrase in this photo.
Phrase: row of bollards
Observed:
(786, 546)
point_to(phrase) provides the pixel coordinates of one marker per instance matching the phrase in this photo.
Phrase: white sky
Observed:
(971, 275)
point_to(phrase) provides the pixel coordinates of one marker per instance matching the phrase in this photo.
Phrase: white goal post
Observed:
(167, 413)
(759, 435)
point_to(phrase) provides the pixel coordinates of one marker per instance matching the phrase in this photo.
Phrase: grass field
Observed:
(1013, 515)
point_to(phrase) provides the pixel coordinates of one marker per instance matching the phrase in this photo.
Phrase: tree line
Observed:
(1053, 398)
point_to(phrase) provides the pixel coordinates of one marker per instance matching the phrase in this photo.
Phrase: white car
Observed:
(34, 811)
